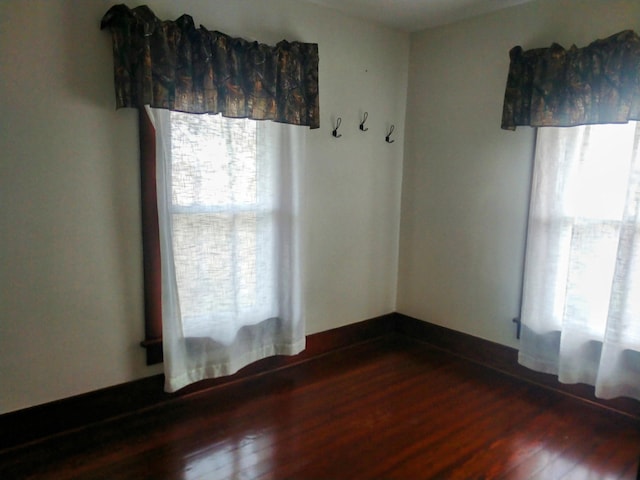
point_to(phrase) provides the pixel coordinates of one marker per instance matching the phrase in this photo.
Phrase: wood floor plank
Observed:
(391, 408)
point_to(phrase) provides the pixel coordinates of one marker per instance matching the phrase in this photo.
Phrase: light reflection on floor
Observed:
(234, 458)
(533, 459)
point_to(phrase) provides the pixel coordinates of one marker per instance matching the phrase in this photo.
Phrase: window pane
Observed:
(214, 160)
(599, 188)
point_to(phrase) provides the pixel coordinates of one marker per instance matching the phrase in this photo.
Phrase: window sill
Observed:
(154, 350)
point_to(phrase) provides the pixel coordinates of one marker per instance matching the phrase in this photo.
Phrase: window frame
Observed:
(151, 263)
(152, 266)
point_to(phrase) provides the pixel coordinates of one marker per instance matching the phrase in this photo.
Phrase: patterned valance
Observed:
(174, 65)
(554, 87)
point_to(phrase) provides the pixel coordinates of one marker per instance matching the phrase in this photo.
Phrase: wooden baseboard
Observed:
(504, 359)
(43, 421)
(32, 424)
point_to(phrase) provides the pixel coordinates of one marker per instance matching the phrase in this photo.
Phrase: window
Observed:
(247, 258)
(223, 224)
(229, 242)
(581, 308)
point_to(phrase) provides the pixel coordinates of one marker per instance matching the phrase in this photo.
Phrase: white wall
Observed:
(70, 262)
(466, 181)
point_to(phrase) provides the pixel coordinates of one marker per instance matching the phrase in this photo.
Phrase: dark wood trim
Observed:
(153, 347)
(504, 359)
(150, 240)
(73, 413)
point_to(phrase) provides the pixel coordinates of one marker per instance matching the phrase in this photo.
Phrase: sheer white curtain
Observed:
(228, 208)
(581, 302)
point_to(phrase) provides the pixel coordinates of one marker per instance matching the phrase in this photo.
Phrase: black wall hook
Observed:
(335, 130)
(389, 134)
(364, 119)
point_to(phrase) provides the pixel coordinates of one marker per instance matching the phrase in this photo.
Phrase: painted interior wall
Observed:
(71, 314)
(466, 181)
(70, 259)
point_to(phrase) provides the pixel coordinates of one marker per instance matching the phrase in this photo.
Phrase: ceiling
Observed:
(414, 15)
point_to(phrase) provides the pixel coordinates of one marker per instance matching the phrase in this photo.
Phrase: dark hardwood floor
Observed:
(392, 408)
